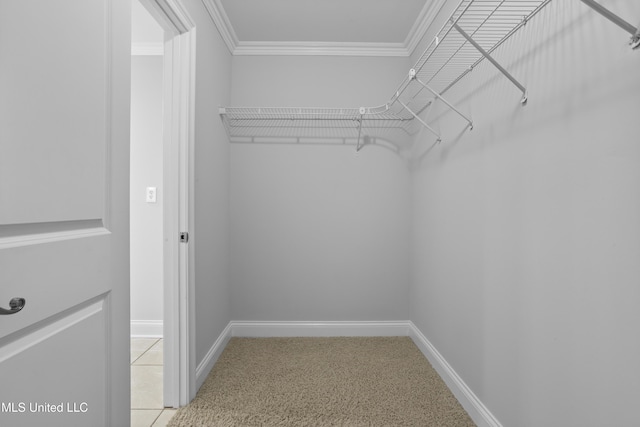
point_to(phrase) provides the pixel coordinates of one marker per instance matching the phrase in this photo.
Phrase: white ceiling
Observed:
(369, 21)
(306, 27)
(337, 27)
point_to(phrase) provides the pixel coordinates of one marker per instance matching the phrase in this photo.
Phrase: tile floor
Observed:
(147, 409)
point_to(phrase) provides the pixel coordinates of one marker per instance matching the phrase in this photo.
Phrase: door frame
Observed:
(178, 210)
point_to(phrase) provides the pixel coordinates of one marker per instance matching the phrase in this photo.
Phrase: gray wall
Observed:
(211, 263)
(146, 171)
(526, 231)
(524, 240)
(318, 232)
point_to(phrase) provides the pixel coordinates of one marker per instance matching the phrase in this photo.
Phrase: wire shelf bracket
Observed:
(362, 111)
(422, 122)
(489, 58)
(634, 31)
(413, 76)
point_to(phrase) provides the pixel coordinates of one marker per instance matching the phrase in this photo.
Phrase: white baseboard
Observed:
(467, 398)
(212, 356)
(146, 329)
(319, 329)
(294, 329)
(469, 401)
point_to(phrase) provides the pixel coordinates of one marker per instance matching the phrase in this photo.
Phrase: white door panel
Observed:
(64, 109)
(52, 82)
(52, 277)
(51, 351)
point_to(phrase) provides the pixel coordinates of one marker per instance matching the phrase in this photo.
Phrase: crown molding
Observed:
(426, 17)
(222, 23)
(172, 15)
(236, 47)
(320, 48)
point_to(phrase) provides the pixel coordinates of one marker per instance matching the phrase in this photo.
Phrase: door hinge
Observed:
(184, 237)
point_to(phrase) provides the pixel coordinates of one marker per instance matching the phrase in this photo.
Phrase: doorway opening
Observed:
(163, 67)
(147, 219)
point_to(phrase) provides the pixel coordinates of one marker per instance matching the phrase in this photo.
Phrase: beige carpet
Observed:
(363, 381)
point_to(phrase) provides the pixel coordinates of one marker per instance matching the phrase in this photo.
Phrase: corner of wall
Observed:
(478, 412)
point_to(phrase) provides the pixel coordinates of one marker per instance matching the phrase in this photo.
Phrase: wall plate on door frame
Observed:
(152, 194)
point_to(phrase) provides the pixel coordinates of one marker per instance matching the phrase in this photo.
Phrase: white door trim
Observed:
(178, 123)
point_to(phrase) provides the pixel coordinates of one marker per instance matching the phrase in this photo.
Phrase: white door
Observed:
(64, 146)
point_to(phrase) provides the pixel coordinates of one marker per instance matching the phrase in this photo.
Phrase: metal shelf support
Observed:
(635, 32)
(361, 111)
(487, 56)
(412, 76)
(429, 128)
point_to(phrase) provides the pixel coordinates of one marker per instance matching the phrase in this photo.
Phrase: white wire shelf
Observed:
(319, 125)
(472, 33)
(452, 54)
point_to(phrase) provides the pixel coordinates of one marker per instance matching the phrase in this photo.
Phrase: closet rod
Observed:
(315, 119)
(635, 32)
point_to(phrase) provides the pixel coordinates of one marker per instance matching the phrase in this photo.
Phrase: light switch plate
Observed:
(151, 194)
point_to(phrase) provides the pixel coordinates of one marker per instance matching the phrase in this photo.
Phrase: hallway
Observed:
(147, 409)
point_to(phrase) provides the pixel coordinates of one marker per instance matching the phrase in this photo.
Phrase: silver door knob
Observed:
(16, 305)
